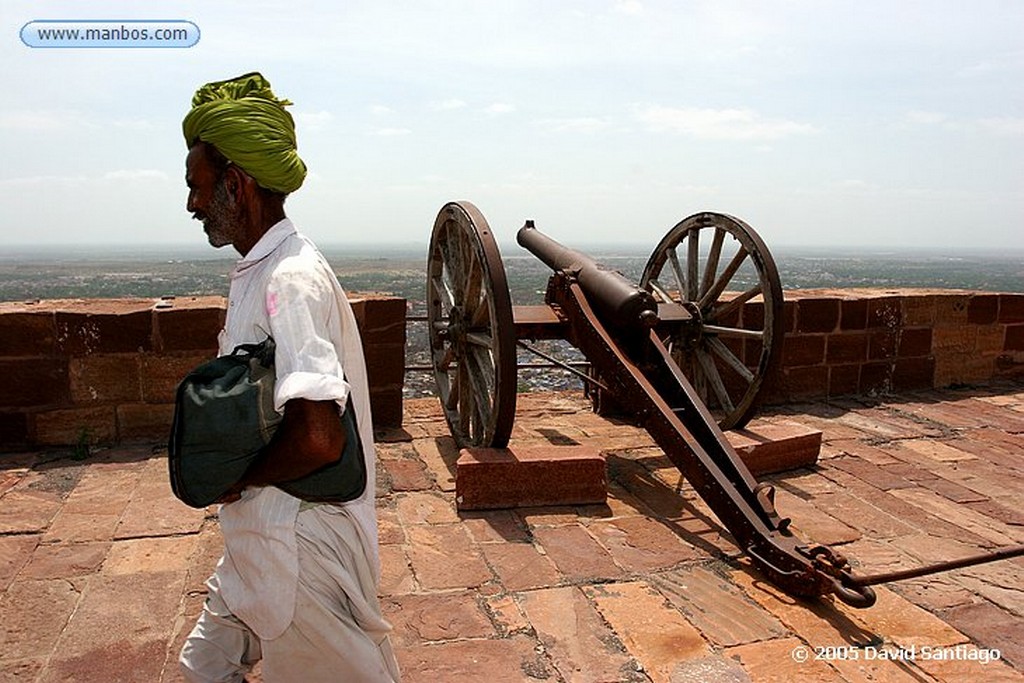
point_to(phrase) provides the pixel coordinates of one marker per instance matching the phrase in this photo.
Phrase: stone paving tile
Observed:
(581, 646)
(646, 587)
(655, 633)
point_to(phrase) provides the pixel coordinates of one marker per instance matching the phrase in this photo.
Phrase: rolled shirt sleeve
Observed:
(301, 308)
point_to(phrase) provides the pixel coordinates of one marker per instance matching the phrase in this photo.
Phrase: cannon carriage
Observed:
(674, 351)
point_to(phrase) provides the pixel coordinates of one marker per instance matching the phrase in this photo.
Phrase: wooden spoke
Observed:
(735, 306)
(472, 336)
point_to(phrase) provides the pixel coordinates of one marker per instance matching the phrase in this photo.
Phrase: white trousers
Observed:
(337, 633)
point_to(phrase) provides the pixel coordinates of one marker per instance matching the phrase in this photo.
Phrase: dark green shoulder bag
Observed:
(224, 415)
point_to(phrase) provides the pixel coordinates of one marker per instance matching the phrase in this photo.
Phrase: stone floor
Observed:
(102, 570)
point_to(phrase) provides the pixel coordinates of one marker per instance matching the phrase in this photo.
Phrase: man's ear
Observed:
(236, 181)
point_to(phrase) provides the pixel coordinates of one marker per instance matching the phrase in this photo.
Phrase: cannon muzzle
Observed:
(616, 300)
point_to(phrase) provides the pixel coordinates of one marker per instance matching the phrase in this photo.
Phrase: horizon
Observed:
(818, 123)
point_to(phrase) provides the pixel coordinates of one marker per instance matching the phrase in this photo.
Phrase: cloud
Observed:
(381, 110)
(390, 132)
(312, 120)
(38, 120)
(447, 105)
(928, 118)
(499, 108)
(582, 124)
(118, 175)
(1003, 125)
(629, 7)
(135, 174)
(718, 124)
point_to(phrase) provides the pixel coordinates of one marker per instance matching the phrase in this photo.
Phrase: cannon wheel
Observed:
(472, 336)
(713, 264)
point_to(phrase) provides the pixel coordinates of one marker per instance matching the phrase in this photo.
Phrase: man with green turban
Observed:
(297, 585)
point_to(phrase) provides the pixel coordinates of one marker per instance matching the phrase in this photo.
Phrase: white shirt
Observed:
(284, 288)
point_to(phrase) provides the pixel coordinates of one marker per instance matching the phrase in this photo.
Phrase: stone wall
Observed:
(872, 341)
(105, 370)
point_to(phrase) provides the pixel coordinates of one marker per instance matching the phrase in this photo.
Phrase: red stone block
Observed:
(386, 404)
(843, 379)
(913, 373)
(806, 382)
(853, 314)
(803, 349)
(13, 429)
(101, 378)
(130, 330)
(850, 347)
(160, 374)
(885, 312)
(489, 478)
(33, 382)
(76, 425)
(817, 315)
(1014, 338)
(776, 447)
(385, 363)
(882, 344)
(27, 334)
(184, 328)
(982, 309)
(915, 342)
(1011, 308)
(144, 421)
(753, 315)
(876, 378)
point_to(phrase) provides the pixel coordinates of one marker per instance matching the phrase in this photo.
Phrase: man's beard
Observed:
(221, 221)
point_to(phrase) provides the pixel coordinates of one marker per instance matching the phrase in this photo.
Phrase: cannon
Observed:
(674, 350)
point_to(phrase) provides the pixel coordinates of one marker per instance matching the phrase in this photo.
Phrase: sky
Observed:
(868, 124)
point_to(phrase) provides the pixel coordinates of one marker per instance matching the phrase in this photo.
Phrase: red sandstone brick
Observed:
(386, 403)
(101, 378)
(124, 331)
(519, 566)
(13, 429)
(913, 373)
(30, 382)
(848, 347)
(642, 544)
(876, 377)
(951, 309)
(580, 644)
(885, 312)
(502, 660)
(776, 447)
(989, 626)
(381, 312)
(982, 309)
(74, 425)
(843, 379)
(882, 344)
(1011, 308)
(721, 612)
(1014, 338)
(576, 554)
(385, 363)
(15, 552)
(919, 310)
(772, 660)
(27, 334)
(529, 476)
(805, 382)
(880, 477)
(804, 350)
(443, 556)
(817, 315)
(915, 341)
(657, 635)
(160, 374)
(188, 329)
(144, 421)
(433, 618)
(33, 615)
(853, 314)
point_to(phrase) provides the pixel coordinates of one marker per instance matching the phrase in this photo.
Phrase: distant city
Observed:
(53, 272)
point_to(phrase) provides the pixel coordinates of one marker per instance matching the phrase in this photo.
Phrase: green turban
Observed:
(243, 119)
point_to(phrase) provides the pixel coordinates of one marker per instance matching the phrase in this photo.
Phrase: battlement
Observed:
(86, 371)
(104, 370)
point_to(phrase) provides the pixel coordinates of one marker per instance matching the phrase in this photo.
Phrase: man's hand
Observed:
(310, 436)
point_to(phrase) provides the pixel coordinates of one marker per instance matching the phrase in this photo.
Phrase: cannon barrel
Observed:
(616, 300)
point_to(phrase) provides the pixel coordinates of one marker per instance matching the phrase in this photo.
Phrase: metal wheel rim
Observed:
(678, 271)
(469, 321)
